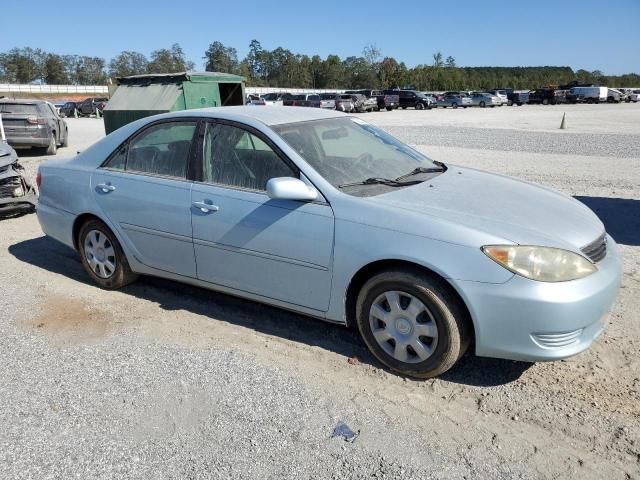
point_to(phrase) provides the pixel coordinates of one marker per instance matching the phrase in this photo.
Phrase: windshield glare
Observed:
(346, 150)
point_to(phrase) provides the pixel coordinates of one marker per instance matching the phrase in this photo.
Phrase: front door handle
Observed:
(205, 207)
(106, 187)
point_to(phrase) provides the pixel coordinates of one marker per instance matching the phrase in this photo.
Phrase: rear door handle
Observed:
(106, 187)
(205, 207)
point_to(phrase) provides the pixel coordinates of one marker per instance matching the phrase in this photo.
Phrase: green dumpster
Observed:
(140, 96)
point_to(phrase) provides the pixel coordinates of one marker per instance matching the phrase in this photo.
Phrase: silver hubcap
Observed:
(100, 254)
(403, 326)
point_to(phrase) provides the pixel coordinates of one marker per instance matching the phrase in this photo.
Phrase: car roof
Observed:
(23, 101)
(272, 115)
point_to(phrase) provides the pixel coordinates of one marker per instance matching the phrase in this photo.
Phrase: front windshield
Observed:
(346, 150)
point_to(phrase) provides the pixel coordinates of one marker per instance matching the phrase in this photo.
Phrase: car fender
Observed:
(358, 245)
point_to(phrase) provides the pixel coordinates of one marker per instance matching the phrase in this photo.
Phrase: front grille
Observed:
(597, 249)
(557, 340)
(8, 185)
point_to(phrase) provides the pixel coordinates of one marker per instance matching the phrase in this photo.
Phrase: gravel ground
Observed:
(162, 380)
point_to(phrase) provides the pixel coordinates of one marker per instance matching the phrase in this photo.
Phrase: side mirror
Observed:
(289, 188)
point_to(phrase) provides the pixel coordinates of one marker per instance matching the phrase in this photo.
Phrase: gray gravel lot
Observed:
(583, 144)
(161, 380)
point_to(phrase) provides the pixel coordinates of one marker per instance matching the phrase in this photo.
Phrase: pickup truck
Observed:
(301, 100)
(386, 101)
(91, 105)
(519, 98)
(411, 98)
(546, 96)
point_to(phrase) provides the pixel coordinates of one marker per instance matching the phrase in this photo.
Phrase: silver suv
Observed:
(33, 123)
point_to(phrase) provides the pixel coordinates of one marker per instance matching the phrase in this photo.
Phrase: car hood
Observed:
(7, 155)
(515, 210)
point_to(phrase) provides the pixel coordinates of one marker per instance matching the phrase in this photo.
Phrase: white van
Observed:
(589, 94)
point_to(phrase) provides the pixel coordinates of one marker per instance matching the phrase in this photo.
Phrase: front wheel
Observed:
(412, 323)
(419, 106)
(102, 257)
(454, 105)
(389, 109)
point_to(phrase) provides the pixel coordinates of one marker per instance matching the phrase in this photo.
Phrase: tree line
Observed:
(283, 68)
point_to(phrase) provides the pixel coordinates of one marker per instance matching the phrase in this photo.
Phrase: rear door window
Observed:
(162, 149)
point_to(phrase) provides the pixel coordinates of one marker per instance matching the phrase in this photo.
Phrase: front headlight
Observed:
(544, 264)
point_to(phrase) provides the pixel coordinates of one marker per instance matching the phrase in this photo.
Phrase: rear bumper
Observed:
(28, 141)
(535, 321)
(56, 223)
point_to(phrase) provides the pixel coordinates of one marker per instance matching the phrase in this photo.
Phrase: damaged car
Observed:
(17, 195)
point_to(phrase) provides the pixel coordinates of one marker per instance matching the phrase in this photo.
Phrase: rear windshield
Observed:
(298, 97)
(19, 108)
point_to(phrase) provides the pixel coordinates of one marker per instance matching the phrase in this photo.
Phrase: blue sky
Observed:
(603, 35)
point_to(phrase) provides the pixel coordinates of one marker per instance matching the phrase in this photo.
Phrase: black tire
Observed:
(65, 143)
(454, 105)
(545, 101)
(52, 149)
(449, 315)
(404, 108)
(509, 103)
(482, 104)
(419, 106)
(122, 275)
(389, 109)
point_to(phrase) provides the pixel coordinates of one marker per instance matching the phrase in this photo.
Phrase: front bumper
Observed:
(526, 320)
(24, 203)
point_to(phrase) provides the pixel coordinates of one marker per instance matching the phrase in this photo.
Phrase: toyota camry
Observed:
(327, 215)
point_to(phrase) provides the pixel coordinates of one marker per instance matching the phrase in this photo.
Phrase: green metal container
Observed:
(144, 95)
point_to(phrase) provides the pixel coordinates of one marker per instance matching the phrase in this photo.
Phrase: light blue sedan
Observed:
(322, 213)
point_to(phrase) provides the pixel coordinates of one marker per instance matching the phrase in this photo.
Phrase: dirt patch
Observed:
(72, 320)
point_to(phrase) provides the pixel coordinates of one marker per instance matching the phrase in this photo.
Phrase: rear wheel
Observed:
(389, 109)
(102, 257)
(412, 323)
(509, 103)
(545, 102)
(454, 105)
(482, 104)
(65, 143)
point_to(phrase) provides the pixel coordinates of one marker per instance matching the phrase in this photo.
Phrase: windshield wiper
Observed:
(441, 168)
(380, 181)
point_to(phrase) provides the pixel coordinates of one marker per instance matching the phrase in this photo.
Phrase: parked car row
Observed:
(366, 100)
(89, 106)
